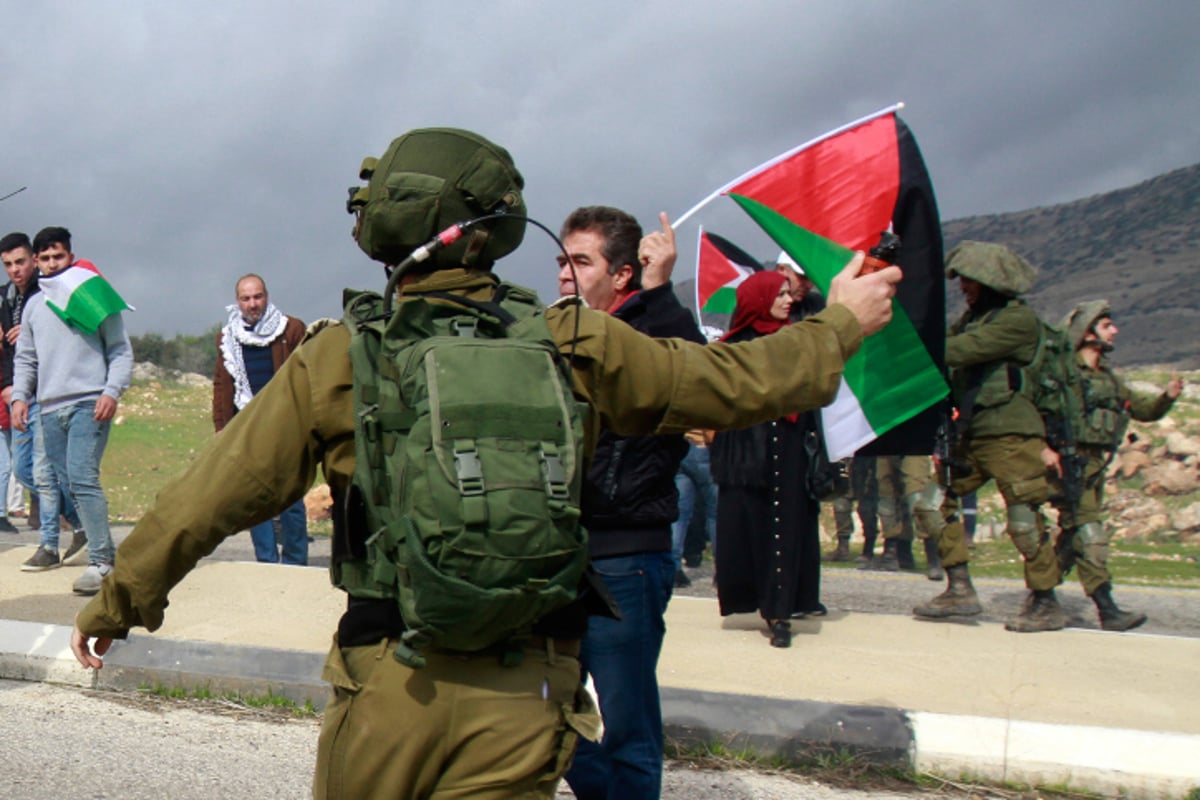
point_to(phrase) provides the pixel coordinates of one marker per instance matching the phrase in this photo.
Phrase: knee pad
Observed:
(1091, 542)
(1024, 528)
(928, 499)
(928, 519)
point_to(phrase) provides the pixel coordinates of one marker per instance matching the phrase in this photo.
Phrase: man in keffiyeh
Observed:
(251, 347)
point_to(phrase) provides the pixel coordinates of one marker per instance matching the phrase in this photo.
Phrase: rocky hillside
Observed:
(1139, 247)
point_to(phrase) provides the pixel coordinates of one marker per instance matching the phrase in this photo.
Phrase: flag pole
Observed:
(696, 288)
(783, 157)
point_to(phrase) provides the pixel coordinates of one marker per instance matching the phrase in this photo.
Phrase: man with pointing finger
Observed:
(629, 502)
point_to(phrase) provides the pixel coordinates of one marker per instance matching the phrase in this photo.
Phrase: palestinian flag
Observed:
(81, 296)
(720, 266)
(848, 187)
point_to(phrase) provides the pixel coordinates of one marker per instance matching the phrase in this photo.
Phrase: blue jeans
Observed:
(693, 480)
(5, 468)
(33, 471)
(293, 535)
(622, 658)
(74, 443)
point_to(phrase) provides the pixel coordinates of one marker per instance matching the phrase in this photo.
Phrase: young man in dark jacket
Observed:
(29, 462)
(629, 502)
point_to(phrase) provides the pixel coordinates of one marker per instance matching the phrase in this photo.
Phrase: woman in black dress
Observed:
(768, 543)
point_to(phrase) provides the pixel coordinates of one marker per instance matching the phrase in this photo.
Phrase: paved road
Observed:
(1173, 612)
(55, 747)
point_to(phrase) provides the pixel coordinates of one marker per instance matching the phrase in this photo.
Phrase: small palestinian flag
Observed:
(81, 296)
(720, 266)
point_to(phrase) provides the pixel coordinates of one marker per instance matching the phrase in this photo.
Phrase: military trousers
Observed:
(1015, 463)
(1090, 545)
(900, 477)
(461, 726)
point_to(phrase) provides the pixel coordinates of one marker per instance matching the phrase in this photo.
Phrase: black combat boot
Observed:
(1112, 617)
(887, 561)
(842, 553)
(868, 551)
(933, 561)
(959, 599)
(904, 555)
(1041, 613)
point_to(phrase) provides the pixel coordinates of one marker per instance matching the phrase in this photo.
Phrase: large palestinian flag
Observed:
(848, 187)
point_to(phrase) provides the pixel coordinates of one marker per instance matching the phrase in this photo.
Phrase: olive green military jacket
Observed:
(268, 455)
(979, 349)
(1109, 404)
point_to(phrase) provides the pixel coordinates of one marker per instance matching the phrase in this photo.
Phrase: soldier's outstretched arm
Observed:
(640, 385)
(263, 461)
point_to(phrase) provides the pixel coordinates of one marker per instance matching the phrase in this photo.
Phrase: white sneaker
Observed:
(89, 582)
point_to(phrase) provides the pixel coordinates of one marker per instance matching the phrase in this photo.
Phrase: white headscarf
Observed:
(269, 328)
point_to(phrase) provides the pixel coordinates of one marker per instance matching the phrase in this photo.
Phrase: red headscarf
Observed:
(755, 296)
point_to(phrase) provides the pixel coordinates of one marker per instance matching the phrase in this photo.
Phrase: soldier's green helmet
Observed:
(993, 265)
(1082, 318)
(429, 179)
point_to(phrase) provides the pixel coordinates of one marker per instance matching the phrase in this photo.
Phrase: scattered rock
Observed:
(1180, 444)
(1169, 477)
(1186, 518)
(318, 503)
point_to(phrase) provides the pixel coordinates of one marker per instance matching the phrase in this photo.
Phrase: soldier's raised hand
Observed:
(869, 297)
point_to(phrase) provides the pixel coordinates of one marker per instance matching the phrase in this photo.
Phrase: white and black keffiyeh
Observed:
(236, 334)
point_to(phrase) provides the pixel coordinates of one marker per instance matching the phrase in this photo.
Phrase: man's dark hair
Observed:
(15, 241)
(621, 233)
(48, 237)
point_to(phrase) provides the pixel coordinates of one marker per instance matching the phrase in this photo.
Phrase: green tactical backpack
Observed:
(1052, 382)
(468, 445)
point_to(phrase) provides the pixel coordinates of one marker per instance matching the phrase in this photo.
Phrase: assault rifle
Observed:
(945, 447)
(1061, 439)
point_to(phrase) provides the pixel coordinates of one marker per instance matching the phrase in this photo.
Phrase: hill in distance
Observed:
(1137, 247)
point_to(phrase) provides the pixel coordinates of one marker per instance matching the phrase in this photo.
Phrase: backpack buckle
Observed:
(553, 473)
(464, 327)
(468, 469)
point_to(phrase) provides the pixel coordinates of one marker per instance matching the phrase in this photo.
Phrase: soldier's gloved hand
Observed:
(869, 297)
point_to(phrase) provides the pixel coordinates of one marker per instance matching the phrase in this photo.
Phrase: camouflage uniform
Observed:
(1003, 439)
(1108, 406)
(903, 480)
(863, 492)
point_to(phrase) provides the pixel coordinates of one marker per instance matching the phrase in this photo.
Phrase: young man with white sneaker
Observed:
(78, 364)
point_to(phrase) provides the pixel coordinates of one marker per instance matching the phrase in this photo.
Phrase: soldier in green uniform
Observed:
(906, 479)
(1001, 435)
(1108, 405)
(466, 724)
(860, 491)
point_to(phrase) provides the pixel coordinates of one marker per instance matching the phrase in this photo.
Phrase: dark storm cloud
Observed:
(185, 147)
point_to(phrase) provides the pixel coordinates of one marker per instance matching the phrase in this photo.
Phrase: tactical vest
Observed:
(1050, 381)
(1105, 410)
(468, 466)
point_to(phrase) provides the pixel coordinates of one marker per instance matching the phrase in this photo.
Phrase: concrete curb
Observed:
(1128, 763)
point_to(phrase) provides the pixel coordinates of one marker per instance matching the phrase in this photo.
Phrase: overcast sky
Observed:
(187, 144)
